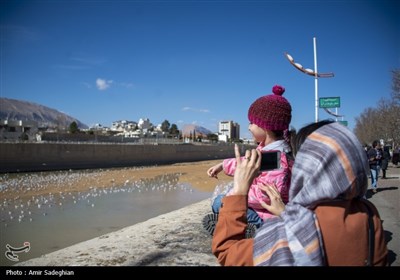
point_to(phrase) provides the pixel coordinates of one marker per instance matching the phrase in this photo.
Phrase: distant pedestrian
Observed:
(375, 161)
(385, 160)
(396, 155)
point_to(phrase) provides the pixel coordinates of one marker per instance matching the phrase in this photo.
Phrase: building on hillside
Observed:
(18, 130)
(124, 125)
(145, 124)
(228, 131)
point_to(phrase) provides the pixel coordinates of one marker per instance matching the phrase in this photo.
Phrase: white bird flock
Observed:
(24, 209)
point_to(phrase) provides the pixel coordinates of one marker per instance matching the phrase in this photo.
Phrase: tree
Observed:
(382, 122)
(212, 137)
(73, 128)
(174, 130)
(366, 126)
(165, 126)
(389, 116)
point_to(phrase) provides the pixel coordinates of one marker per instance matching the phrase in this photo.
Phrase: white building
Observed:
(144, 124)
(124, 125)
(228, 131)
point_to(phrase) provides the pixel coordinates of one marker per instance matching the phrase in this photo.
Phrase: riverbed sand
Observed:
(25, 185)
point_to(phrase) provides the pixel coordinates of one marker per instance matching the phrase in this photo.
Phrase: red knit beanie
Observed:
(271, 112)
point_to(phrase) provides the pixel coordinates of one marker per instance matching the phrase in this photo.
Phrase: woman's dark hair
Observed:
(286, 134)
(375, 143)
(304, 132)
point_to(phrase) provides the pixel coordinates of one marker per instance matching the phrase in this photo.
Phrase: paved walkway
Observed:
(387, 200)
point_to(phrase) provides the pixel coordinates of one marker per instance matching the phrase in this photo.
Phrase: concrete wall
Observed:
(25, 157)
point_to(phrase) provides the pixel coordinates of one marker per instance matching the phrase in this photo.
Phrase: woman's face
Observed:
(257, 132)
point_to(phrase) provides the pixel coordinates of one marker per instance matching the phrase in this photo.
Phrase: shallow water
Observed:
(57, 221)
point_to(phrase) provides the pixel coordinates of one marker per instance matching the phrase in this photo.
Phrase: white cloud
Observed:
(195, 110)
(103, 84)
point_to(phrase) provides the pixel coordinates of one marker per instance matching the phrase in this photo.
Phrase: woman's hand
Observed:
(246, 170)
(277, 206)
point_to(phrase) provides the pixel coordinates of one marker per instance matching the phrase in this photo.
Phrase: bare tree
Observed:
(366, 126)
(382, 122)
(389, 112)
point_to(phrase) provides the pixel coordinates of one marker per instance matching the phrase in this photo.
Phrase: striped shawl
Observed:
(331, 163)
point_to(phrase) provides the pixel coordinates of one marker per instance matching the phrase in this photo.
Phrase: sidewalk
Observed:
(387, 200)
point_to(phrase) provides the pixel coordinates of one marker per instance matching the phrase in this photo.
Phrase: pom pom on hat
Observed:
(271, 112)
(278, 90)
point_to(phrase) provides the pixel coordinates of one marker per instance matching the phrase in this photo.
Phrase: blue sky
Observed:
(196, 62)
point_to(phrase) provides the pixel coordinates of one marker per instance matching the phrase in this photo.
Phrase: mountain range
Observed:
(190, 129)
(12, 109)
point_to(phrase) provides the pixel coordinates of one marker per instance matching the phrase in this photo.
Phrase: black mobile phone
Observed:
(270, 160)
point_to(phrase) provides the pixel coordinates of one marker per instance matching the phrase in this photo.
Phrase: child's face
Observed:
(257, 132)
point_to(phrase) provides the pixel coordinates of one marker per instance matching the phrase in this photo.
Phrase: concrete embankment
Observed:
(173, 239)
(26, 157)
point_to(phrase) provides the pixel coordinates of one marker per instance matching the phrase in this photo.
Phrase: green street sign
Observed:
(345, 123)
(329, 102)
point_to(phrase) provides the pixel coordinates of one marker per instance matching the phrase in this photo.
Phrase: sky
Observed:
(196, 62)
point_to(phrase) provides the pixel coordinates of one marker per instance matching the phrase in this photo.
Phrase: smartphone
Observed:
(270, 160)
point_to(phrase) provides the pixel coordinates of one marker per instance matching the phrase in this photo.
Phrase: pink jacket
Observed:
(279, 177)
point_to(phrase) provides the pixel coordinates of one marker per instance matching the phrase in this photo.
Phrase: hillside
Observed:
(12, 109)
(188, 129)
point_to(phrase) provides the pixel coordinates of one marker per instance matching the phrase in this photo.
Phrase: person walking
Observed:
(385, 161)
(374, 160)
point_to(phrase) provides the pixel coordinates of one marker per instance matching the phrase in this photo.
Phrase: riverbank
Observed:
(30, 191)
(178, 238)
(173, 239)
(25, 185)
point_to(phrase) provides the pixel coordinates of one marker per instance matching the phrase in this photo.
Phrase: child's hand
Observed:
(213, 171)
(277, 206)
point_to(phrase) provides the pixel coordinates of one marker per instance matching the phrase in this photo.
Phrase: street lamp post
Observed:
(311, 72)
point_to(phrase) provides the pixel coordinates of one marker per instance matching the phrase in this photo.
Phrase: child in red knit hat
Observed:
(269, 118)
